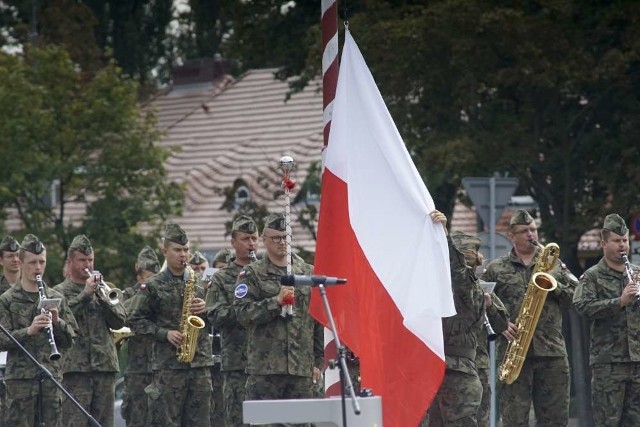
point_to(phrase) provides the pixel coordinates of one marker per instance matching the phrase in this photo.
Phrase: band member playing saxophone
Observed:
(90, 367)
(180, 391)
(19, 313)
(606, 297)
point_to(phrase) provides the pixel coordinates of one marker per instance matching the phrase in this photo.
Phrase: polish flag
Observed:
(375, 230)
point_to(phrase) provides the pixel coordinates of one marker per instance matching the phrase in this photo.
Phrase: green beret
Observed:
(223, 255)
(148, 260)
(615, 223)
(275, 221)
(81, 243)
(32, 244)
(197, 258)
(521, 217)
(244, 224)
(9, 244)
(465, 241)
(175, 233)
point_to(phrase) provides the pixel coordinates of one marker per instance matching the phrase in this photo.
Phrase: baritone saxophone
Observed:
(190, 324)
(539, 286)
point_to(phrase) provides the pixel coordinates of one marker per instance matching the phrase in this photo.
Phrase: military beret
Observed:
(521, 217)
(615, 223)
(223, 255)
(148, 260)
(465, 241)
(81, 243)
(9, 244)
(244, 224)
(32, 244)
(197, 258)
(175, 233)
(275, 221)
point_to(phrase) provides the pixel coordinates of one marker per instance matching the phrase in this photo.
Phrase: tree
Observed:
(79, 143)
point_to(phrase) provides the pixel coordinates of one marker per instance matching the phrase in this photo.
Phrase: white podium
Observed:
(322, 412)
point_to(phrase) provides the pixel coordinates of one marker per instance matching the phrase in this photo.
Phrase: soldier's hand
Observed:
(315, 374)
(175, 338)
(439, 217)
(511, 332)
(54, 316)
(90, 285)
(488, 302)
(197, 306)
(629, 294)
(284, 291)
(39, 322)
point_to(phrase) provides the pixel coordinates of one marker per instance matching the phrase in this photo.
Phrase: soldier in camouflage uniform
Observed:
(458, 398)
(10, 262)
(222, 258)
(20, 315)
(233, 336)
(544, 378)
(607, 298)
(139, 349)
(90, 366)
(499, 320)
(198, 263)
(180, 393)
(285, 354)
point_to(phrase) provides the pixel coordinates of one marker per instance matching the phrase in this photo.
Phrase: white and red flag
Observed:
(375, 230)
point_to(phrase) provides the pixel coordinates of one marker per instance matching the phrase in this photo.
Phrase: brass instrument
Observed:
(190, 325)
(539, 286)
(55, 354)
(629, 271)
(120, 335)
(106, 293)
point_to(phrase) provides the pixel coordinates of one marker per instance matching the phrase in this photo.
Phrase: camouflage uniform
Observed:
(281, 351)
(138, 371)
(499, 318)
(233, 340)
(180, 393)
(545, 374)
(90, 366)
(458, 398)
(4, 284)
(17, 310)
(615, 345)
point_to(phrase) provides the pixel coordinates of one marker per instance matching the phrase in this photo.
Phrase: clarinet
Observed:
(491, 334)
(55, 355)
(629, 271)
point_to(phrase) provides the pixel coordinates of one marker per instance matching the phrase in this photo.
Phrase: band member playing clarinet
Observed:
(606, 296)
(19, 313)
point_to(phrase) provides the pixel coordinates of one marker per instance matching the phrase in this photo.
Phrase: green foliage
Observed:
(88, 143)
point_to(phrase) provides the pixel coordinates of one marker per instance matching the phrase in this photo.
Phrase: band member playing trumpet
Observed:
(180, 391)
(606, 297)
(90, 367)
(19, 313)
(138, 372)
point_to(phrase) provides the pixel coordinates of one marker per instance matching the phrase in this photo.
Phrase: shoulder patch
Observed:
(241, 290)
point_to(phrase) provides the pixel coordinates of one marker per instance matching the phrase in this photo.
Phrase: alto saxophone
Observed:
(540, 285)
(190, 325)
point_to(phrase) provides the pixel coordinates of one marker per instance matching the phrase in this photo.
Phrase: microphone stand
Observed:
(43, 374)
(342, 362)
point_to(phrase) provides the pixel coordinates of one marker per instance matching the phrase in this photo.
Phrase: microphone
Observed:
(295, 280)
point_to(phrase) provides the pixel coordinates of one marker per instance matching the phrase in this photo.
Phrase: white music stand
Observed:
(322, 412)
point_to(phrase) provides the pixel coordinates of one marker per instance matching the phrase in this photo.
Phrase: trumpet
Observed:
(109, 295)
(55, 354)
(629, 271)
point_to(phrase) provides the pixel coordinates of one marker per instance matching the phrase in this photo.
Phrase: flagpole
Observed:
(330, 66)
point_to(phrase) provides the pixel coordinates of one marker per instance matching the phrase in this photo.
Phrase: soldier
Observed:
(20, 315)
(90, 366)
(233, 336)
(139, 349)
(458, 398)
(284, 352)
(544, 378)
(198, 263)
(607, 297)
(10, 262)
(222, 258)
(180, 392)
